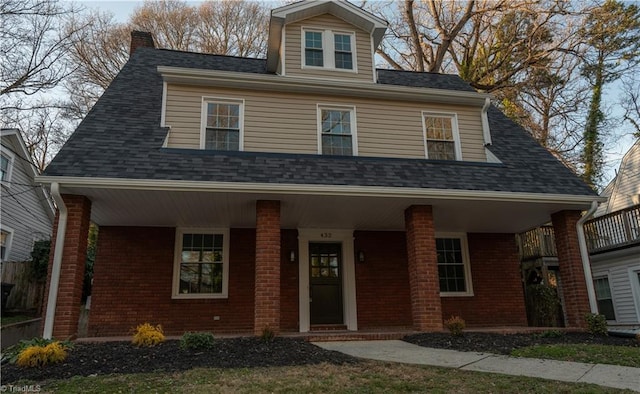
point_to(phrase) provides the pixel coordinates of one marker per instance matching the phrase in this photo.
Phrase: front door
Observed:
(325, 283)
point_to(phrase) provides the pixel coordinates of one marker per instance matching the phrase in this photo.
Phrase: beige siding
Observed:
(287, 123)
(294, 45)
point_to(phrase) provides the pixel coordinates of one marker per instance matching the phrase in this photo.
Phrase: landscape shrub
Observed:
(550, 334)
(148, 335)
(267, 334)
(596, 324)
(197, 340)
(12, 353)
(455, 324)
(41, 355)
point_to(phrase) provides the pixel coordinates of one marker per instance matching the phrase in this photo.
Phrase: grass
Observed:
(6, 320)
(595, 354)
(365, 377)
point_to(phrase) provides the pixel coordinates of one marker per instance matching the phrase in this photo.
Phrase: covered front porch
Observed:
(299, 260)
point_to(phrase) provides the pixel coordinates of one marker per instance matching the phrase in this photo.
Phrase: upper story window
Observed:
(5, 243)
(201, 267)
(337, 131)
(442, 140)
(222, 125)
(329, 49)
(5, 167)
(453, 265)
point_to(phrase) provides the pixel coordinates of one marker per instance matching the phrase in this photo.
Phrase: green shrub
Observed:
(455, 324)
(197, 340)
(550, 334)
(543, 305)
(148, 335)
(596, 324)
(12, 353)
(267, 334)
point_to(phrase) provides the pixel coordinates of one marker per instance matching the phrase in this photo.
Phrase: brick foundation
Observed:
(267, 282)
(74, 256)
(573, 286)
(426, 308)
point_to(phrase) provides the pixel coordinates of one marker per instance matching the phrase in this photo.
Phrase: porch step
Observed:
(327, 327)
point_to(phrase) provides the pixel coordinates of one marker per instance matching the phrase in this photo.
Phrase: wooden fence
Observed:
(26, 294)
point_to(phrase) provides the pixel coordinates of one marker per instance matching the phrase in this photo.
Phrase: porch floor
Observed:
(344, 335)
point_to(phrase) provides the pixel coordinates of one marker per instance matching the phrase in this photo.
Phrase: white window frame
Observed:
(221, 100)
(454, 130)
(354, 126)
(607, 276)
(328, 49)
(12, 158)
(468, 281)
(177, 260)
(633, 272)
(8, 243)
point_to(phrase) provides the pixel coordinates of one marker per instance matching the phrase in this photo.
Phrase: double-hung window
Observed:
(222, 125)
(329, 49)
(5, 167)
(201, 266)
(337, 131)
(603, 297)
(441, 136)
(453, 265)
(5, 243)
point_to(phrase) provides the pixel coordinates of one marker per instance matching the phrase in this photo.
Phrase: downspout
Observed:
(57, 262)
(584, 254)
(486, 131)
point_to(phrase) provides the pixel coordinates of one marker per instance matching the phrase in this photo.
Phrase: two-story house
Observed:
(308, 190)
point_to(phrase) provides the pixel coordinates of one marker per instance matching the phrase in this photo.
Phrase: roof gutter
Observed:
(584, 254)
(326, 190)
(57, 262)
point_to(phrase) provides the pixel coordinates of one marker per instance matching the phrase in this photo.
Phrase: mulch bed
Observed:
(86, 359)
(504, 344)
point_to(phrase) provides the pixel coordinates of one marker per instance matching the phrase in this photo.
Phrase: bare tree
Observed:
(172, 22)
(33, 48)
(630, 102)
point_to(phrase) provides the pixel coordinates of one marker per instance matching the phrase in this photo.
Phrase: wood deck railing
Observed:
(615, 230)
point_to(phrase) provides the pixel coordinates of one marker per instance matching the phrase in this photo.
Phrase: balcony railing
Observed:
(615, 230)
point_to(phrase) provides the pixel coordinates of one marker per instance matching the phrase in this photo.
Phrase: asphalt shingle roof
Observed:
(121, 138)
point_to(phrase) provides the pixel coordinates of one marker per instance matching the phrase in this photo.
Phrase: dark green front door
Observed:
(325, 283)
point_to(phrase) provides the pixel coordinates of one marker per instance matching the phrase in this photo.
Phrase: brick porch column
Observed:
(267, 287)
(573, 283)
(426, 307)
(74, 256)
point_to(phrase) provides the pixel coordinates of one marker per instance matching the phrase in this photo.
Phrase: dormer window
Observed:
(329, 49)
(221, 124)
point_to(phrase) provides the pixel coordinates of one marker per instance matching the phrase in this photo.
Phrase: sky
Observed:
(121, 9)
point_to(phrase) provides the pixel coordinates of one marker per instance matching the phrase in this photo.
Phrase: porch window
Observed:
(337, 130)
(442, 140)
(201, 264)
(222, 125)
(603, 297)
(453, 266)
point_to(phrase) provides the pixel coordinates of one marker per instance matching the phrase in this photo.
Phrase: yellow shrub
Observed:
(148, 335)
(38, 356)
(455, 324)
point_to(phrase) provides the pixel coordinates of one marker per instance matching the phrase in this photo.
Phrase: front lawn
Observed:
(362, 377)
(595, 354)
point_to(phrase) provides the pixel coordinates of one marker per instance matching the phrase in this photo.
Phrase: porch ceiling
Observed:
(126, 207)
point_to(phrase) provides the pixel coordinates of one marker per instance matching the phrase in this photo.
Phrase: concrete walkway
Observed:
(566, 371)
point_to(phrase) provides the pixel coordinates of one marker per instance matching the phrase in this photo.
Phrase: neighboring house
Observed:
(615, 244)
(27, 211)
(305, 191)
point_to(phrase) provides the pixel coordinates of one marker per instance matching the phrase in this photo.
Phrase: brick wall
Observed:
(72, 270)
(573, 286)
(498, 298)
(133, 281)
(426, 307)
(268, 258)
(382, 281)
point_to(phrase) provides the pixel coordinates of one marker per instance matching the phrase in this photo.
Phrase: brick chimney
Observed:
(140, 39)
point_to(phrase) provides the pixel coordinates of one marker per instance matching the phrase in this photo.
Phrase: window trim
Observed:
(454, 130)
(177, 260)
(354, 125)
(607, 276)
(9, 242)
(328, 49)
(468, 281)
(12, 158)
(203, 118)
